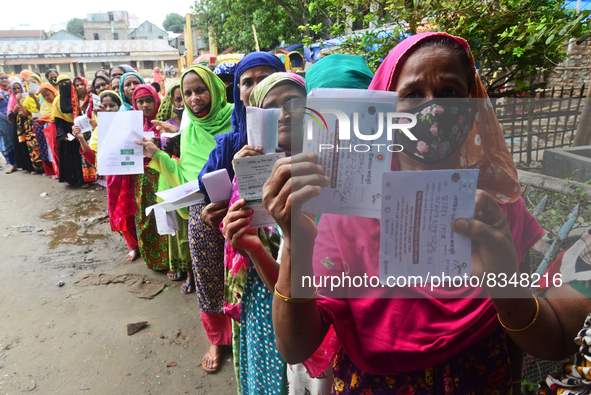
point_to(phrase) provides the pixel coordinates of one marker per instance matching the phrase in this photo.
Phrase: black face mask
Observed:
(178, 111)
(441, 129)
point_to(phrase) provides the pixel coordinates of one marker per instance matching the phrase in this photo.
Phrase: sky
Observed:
(40, 14)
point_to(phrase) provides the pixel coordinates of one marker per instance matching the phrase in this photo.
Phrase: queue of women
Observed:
(243, 276)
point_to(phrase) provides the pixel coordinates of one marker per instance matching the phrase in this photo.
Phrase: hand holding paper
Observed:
(418, 208)
(262, 129)
(117, 151)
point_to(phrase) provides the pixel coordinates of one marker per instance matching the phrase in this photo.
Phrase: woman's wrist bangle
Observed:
(528, 325)
(295, 300)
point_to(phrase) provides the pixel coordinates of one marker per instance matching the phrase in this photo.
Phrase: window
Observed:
(96, 37)
(115, 36)
(111, 18)
(148, 64)
(160, 37)
(182, 42)
(133, 63)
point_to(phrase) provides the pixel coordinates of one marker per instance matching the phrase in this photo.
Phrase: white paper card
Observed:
(83, 123)
(33, 87)
(218, 185)
(179, 197)
(36, 115)
(251, 175)
(418, 209)
(262, 128)
(96, 101)
(149, 135)
(117, 151)
(70, 137)
(354, 165)
(260, 218)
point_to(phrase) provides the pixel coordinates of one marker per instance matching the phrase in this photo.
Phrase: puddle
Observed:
(76, 223)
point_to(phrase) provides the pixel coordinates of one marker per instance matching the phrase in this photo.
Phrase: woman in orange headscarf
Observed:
(157, 77)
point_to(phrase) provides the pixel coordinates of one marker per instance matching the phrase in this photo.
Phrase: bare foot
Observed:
(34, 173)
(173, 276)
(12, 170)
(210, 361)
(54, 177)
(84, 186)
(133, 254)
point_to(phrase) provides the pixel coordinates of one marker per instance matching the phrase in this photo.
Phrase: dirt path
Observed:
(71, 339)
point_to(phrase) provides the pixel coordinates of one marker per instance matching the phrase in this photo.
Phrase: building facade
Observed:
(85, 57)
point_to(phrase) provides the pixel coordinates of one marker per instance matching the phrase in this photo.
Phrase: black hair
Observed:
(107, 74)
(104, 78)
(156, 86)
(49, 71)
(450, 43)
(113, 97)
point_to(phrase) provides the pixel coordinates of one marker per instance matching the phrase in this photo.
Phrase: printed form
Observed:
(251, 175)
(418, 209)
(352, 159)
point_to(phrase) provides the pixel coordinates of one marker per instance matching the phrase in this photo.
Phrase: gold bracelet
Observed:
(294, 300)
(528, 325)
(516, 381)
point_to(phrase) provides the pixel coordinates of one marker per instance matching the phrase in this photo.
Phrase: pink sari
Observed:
(394, 335)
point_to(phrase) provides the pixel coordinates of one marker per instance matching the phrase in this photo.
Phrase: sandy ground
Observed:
(72, 339)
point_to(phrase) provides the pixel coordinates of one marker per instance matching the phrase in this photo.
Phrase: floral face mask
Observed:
(441, 129)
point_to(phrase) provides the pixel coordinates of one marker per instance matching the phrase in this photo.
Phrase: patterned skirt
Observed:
(26, 134)
(153, 246)
(262, 370)
(482, 368)
(44, 152)
(180, 253)
(88, 169)
(207, 256)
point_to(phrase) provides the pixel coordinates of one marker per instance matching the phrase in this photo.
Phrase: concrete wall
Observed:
(104, 30)
(148, 31)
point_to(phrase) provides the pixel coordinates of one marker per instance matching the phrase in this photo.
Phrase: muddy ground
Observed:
(72, 339)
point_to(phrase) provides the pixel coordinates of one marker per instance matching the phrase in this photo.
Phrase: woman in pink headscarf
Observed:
(153, 246)
(403, 340)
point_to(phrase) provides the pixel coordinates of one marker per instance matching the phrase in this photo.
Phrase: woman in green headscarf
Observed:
(170, 112)
(204, 97)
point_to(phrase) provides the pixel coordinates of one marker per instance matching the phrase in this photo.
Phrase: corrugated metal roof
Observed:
(21, 33)
(74, 47)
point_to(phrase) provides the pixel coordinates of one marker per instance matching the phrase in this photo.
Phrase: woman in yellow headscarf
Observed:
(24, 126)
(33, 105)
(49, 94)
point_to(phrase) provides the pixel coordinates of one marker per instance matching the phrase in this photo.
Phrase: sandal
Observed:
(11, 171)
(213, 359)
(188, 287)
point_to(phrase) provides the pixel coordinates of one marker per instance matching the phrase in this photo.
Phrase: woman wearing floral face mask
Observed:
(403, 344)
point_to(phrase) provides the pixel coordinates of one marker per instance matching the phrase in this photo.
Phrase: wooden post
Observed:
(530, 125)
(256, 40)
(189, 41)
(583, 132)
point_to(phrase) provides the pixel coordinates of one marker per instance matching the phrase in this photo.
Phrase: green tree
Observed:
(173, 22)
(513, 41)
(276, 21)
(75, 26)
